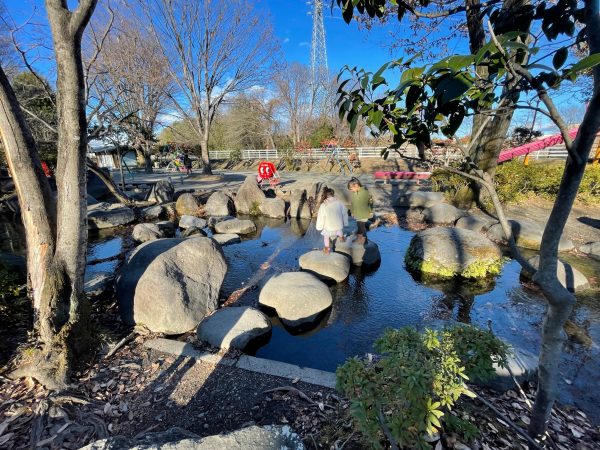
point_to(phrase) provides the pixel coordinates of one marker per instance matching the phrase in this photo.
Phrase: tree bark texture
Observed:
(56, 235)
(560, 300)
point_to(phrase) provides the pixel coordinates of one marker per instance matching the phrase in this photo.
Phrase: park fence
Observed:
(313, 153)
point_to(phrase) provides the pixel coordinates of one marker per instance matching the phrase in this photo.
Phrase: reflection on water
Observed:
(368, 302)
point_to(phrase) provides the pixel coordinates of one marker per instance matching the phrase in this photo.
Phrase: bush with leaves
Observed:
(406, 394)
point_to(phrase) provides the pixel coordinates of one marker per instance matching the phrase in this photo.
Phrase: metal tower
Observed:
(318, 57)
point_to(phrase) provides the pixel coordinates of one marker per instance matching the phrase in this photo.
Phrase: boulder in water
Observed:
(298, 298)
(191, 221)
(170, 285)
(162, 192)
(273, 207)
(299, 204)
(167, 227)
(151, 213)
(448, 252)
(249, 197)
(193, 231)
(105, 215)
(144, 232)
(475, 223)
(187, 205)
(219, 204)
(235, 226)
(360, 254)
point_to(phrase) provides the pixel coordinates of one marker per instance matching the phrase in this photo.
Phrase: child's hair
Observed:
(327, 192)
(354, 181)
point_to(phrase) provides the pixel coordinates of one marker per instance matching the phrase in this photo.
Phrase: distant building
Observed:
(106, 155)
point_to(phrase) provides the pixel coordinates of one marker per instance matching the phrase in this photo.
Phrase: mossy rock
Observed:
(450, 252)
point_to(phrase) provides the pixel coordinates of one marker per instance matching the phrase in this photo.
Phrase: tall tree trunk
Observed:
(63, 312)
(206, 167)
(561, 301)
(38, 211)
(147, 158)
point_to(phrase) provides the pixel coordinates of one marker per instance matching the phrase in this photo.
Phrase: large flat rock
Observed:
(332, 266)
(298, 298)
(234, 327)
(569, 276)
(235, 226)
(449, 252)
(528, 234)
(105, 215)
(475, 223)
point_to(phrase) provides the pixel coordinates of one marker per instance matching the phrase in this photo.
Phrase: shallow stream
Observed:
(389, 296)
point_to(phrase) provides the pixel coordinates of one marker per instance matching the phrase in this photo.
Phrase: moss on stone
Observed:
(483, 268)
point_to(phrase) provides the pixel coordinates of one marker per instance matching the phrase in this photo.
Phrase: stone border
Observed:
(246, 362)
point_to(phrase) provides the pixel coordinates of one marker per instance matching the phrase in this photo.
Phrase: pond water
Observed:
(372, 300)
(388, 296)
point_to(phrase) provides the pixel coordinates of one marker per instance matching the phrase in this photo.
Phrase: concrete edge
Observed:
(246, 362)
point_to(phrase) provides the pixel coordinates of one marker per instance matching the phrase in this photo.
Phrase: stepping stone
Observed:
(360, 254)
(144, 232)
(569, 277)
(236, 226)
(233, 327)
(191, 221)
(212, 221)
(226, 239)
(442, 214)
(332, 266)
(298, 298)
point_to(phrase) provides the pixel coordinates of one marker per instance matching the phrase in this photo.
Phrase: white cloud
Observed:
(303, 44)
(286, 40)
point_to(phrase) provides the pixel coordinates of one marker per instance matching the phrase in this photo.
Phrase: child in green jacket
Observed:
(361, 204)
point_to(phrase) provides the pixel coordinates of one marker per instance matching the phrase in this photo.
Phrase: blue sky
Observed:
(292, 22)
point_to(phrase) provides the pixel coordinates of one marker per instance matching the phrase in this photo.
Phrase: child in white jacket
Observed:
(331, 218)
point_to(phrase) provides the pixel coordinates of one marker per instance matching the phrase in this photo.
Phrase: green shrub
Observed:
(235, 156)
(516, 182)
(417, 381)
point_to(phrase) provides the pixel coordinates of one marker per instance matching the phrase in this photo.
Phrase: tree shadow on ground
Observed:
(594, 223)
